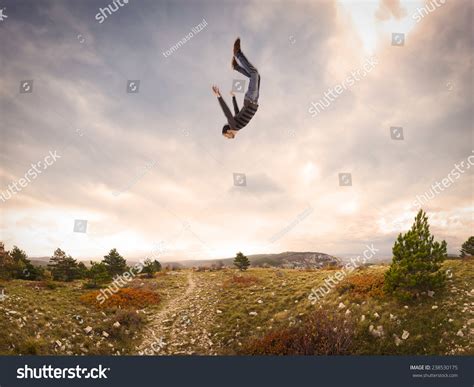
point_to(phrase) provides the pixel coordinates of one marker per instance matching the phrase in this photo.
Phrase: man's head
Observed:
(228, 132)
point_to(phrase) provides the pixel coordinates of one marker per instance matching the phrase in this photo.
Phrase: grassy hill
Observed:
(228, 312)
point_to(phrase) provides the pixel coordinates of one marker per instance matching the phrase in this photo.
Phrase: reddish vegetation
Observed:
(363, 285)
(124, 298)
(320, 334)
(241, 281)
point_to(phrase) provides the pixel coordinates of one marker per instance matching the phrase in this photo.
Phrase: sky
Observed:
(150, 173)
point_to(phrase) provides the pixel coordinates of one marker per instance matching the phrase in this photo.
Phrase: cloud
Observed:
(79, 106)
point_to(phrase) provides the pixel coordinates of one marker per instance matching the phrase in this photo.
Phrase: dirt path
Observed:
(181, 326)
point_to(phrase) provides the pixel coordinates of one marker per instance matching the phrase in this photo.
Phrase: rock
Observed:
(116, 324)
(430, 293)
(406, 306)
(260, 301)
(392, 317)
(460, 333)
(105, 334)
(253, 313)
(405, 335)
(397, 340)
(348, 311)
(376, 332)
(341, 305)
(434, 307)
(218, 311)
(58, 343)
(88, 329)
(362, 318)
(450, 320)
(376, 315)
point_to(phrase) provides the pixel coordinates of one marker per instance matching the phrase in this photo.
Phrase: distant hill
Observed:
(289, 259)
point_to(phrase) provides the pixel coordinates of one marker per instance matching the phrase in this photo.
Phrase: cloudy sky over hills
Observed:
(151, 168)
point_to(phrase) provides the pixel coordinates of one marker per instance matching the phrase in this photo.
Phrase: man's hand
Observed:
(216, 91)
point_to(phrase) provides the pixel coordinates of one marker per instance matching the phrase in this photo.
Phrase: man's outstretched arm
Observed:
(234, 102)
(225, 108)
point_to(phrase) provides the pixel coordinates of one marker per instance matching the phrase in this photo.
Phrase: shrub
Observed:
(129, 320)
(364, 285)
(123, 298)
(32, 346)
(322, 333)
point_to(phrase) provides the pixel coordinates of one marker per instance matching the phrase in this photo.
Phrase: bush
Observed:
(129, 320)
(33, 346)
(322, 333)
(123, 298)
(362, 286)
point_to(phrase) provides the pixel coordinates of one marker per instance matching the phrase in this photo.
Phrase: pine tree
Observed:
(98, 275)
(467, 248)
(416, 261)
(22, 268)
(151, 267)
(82, 270)
(6, 263)
(115, 263)
(63, 268)
(241, 261)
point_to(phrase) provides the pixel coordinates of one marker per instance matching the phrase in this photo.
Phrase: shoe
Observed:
(237, 46)
(234, 63)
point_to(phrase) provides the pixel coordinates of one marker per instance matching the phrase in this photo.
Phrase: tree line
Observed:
(15, 264)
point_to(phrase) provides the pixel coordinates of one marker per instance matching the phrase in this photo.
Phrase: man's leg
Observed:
(254, 84)
(239, 68)
(244, 62)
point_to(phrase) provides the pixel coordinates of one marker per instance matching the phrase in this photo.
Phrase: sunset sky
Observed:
(152, 169)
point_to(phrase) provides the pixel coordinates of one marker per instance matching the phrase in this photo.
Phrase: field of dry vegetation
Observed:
(227, 312)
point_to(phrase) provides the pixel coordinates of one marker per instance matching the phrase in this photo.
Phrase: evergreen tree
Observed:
(98, 275)
(82, 270)
(416, 261)
(6, 263)
(467, 248)
(115, 263)
(63, 268)
(22, 268)
(241, 261)
(151, 267)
